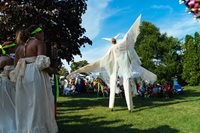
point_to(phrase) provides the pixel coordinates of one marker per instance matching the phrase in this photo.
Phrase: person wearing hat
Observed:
(7, 89)
(34, 98)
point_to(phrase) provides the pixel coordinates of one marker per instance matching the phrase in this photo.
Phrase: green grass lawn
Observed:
(90, 114)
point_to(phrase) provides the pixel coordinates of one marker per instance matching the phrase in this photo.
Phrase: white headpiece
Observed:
(110, 39)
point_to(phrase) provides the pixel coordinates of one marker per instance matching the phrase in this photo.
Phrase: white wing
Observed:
(92, 67)
(128, 42)
(133, 32)
(116, 36)
(143, 73)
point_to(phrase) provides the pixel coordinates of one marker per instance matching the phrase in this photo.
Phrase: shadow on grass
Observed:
(85, 101)
(82, 102)
(90, 123)
(83, 124)
(148, 104)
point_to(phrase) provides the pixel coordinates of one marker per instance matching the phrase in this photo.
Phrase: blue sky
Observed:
(106, 18)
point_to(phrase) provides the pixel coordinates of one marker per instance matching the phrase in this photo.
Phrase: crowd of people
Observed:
(158, 90)
(26, 99)
(84, 85)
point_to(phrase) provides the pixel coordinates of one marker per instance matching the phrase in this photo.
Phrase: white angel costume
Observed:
(7, 102)
(34, 98)
(122, 58)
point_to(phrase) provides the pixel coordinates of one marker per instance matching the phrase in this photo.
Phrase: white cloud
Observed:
(163, 7)
(179, 27)
(95, 14)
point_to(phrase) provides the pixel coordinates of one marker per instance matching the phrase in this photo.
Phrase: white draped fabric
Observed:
(121, 58)
(7, 102)
(34, 98)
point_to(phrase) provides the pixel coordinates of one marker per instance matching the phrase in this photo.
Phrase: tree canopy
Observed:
(63, 71)
(159, 52)
(191, 62)
(60, 20)
(76, 65)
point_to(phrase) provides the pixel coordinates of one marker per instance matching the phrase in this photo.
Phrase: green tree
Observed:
(76, 65)
(60, 20)
(63, 71)
(191, 61)
(159, 52)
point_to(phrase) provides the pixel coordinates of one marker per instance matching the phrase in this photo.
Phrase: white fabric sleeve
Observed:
(42, 62)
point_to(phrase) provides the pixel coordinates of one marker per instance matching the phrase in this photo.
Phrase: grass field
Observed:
(90, 114)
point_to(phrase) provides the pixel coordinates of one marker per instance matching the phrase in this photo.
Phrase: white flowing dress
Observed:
(34, 98)
(7, 102)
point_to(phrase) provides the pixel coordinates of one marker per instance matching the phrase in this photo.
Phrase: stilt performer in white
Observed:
(121, 57)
